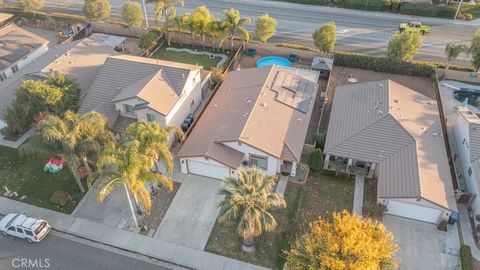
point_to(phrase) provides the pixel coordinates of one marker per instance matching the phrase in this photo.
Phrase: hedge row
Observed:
(466, 257)
(387, 65)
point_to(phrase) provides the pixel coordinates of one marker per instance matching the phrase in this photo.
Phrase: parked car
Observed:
(21, 226)
(188, 122)
(414, 27)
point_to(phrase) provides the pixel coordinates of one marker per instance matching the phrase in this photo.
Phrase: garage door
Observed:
(413, 211)
(206, 169)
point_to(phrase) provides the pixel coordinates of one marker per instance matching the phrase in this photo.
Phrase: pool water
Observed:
(273, 60)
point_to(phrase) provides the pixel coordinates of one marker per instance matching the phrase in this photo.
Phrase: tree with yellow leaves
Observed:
(347, 242)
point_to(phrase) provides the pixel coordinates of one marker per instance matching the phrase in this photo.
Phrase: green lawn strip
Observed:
(419, 9)
(320, 196)
(26, 177)
(188, 58)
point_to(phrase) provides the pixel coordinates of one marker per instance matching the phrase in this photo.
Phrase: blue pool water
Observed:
(273, 60)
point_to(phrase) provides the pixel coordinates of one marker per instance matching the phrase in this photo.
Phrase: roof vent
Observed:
(215, 105)
(429, 103)
(381, 84)
(245, 114)
(379, 112)
(263, 104)
(435, 135)
(183, 75)
(299, 120)
(248, 100)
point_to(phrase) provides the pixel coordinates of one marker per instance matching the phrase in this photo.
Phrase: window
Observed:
(259, 162)
(192, 103)
(12, 229)
(469, 171)
(19, 230)
(3, 76)
(151, 117)
(15, 68)
(128, 108)
(29, 233)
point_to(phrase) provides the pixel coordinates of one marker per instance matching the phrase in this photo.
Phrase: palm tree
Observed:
(153, 140)
(234, 22)
(250, 199)
(219, 31)
(201, 20)
(166, 8)
(76, 139)
(127, 166)
(187, 23)
(452, 51)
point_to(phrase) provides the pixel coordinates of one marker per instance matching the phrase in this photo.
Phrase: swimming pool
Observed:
(273, 60)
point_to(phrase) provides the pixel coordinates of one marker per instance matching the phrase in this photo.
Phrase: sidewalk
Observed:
(358, 194)
(129, 241)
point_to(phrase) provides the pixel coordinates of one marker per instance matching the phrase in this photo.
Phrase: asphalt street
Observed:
(358, 31)
(58, 253)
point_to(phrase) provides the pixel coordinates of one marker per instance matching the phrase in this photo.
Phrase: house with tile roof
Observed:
(18, 48)
(258, 117)
(80, 60)
(132, 88)
(385, 130)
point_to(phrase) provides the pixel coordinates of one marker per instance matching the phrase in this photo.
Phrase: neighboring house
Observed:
(18, 47)
(467, 136)
(131, 88)
(258, 117)
(80, 60)
(383, 129)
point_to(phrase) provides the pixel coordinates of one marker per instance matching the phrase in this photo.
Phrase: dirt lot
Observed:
(339, 76)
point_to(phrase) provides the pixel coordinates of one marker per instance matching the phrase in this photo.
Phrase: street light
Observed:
(128, 197)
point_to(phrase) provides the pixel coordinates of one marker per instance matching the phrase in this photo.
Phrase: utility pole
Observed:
(145, 13)
(458, 9)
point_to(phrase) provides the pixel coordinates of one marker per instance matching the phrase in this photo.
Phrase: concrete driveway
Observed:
(113, 211)
(422, 246)
(192, 214)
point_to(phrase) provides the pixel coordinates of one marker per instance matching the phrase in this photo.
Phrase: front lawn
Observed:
(320, 196)
(189, 58)
(26, 178)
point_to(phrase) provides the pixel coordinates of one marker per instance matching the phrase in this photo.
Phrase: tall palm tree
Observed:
(128, 166)
(201, 20)
(234, 22)
(77, 139)
(167, 9)
(250, 199)
(452, 51)
(219, 31)
(187, 23)
(153, 140)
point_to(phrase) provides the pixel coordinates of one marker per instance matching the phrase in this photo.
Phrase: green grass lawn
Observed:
(320, 196)
(188, 58)
(26, 177)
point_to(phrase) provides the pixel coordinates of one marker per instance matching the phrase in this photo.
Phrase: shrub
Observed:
(466, 257)
(320, 140)
(442, 226)
(468, 16)
(149, 39)
(315, 160)
(217, 75)
(374, 210)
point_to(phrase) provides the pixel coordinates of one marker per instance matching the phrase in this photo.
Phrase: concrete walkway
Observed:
(192, 214)
(129, 241)
(17, 143)
(358, 194)
(467, 233)
(282, 184)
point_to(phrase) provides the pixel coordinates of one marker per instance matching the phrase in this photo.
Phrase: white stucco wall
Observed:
(444, 215)
(192, 91)
(25, 61)
(461, 130)
(273, 163)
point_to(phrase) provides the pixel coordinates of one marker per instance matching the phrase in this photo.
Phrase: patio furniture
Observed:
(293, 58)
(251, 52)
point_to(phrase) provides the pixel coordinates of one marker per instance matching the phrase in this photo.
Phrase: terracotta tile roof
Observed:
(399, 129)
(268, 108)
(159, 83)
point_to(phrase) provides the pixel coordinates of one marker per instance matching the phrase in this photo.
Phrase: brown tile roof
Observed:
(159, 83)
(389, 124)
(16, 43)
(268, 108)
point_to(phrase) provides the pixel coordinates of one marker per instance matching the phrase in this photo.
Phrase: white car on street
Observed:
(21, 226)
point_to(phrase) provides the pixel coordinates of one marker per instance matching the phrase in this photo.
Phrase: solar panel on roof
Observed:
(292, 91)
